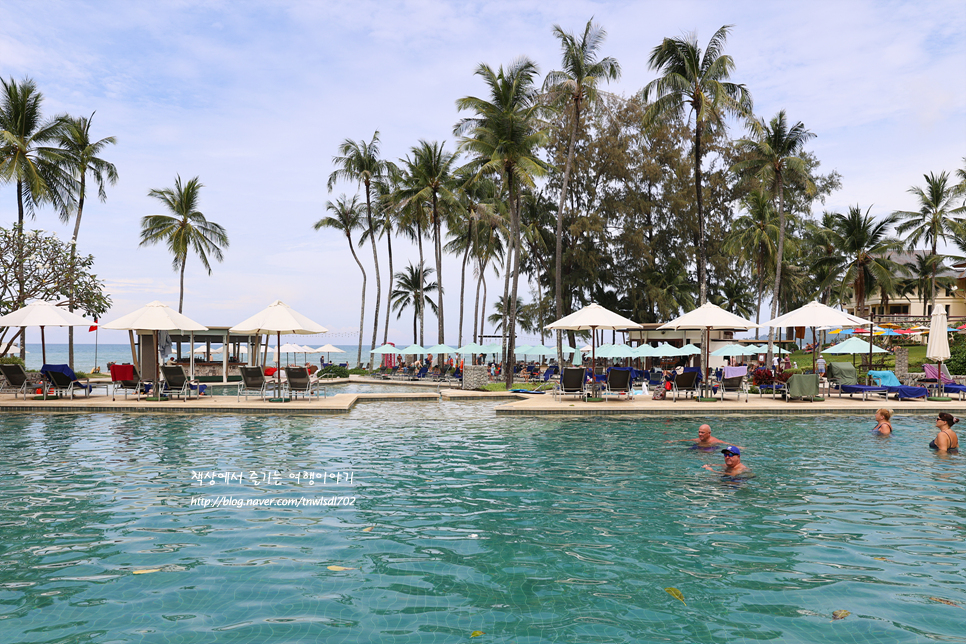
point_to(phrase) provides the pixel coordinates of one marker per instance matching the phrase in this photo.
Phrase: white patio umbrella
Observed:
(938, 346)
(706, 317)
(815, 314)
(42, 314)
(731, 350)
(278, 318)
(590, 318)
(328, 348)
(155, 317)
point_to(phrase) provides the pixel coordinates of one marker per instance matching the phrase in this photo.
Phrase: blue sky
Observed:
(254, 98)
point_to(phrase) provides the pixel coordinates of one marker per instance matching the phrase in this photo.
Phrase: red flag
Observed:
(93, 328)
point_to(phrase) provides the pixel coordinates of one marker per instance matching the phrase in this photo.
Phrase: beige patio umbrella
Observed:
(937, 348)
(706, 317)
(155, 317)
(42, 314)
(815, 314)
(590, 318)
(278, 318)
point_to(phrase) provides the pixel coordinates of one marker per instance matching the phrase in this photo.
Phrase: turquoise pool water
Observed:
(347, 388)
(527, 530)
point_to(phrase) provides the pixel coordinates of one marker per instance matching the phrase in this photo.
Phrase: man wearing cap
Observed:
(733, 465)
(704, 439)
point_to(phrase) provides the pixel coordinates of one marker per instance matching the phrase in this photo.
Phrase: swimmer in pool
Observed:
(704, 439)
(946, 441)
(884, 426)
(733, 466)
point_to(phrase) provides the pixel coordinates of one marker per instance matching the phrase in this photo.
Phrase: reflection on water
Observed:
(531, 529)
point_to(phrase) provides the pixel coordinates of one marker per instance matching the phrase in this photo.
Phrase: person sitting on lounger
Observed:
(705, 441)
(946, 441)
(884, 427)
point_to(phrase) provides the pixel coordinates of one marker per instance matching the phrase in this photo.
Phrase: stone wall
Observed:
(902, 364)
(475, 376)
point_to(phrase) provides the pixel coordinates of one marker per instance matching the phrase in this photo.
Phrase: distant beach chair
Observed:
(15, 379)
(550, 373)
(803, 386)
(944, 381)
(126, 378)
(733, 379)
(685, 383)
(299, 382)
(253, 383)
(177, 383)
(618, 382)
(842, 376)
(62, 379)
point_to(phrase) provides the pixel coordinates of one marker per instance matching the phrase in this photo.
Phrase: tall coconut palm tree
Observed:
(412, 286)
(359, 161)
(80, 159)
(575, 85)
(346, 217)
(185, 229)
(696, 82)
(413, 224)
(387, 219)
(28, 160)
(774, 158)
(862, 245)
(27, 156)
(432, 181)
(503, 137)
(936, 218)
(752, 239)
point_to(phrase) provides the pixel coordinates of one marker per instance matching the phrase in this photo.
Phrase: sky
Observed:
(254, 99)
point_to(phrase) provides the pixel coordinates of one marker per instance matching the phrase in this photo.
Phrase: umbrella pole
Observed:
(43, 345)
(278, 371)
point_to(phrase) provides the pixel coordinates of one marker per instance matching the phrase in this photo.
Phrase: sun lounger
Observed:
(571, 383)
(943, 381)
(842, 376)
(733, 379)
(176, 382)
(126, 378)
(15, 380)
(888, 380)
(549, 373)
(253, 382)
(618, 383)
(61, 379)
(298, 381)
(685, 383)
(802, 386)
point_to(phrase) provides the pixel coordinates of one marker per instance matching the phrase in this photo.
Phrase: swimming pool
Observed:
(527, 530)
(351, 388)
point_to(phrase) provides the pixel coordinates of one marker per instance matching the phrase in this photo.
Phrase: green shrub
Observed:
(12, 360)
(957, 360)
(334, 371)
(359, 372)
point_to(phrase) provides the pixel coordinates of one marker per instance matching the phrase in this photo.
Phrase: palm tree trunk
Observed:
(778, 267)
(362, 312)
(20, 277)
(385, 332)
(933, 274)
(466, 255)
(375, 261)
(558, 258)
(73, 254)
(476, 306)
(761, 287)
(702, 246)
(506, 289)
(512, 316)
(483, 312)
(437, 234)
(184, 262)
(422, 297)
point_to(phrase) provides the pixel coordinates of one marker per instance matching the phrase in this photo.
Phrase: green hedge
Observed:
(12, 360)
(334, 371)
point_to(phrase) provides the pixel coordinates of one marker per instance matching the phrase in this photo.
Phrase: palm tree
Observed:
(360, 162)
(752, 239)
(387, 218)
(413, 222)
(346, 217)
(504, 137)
(774, 159)
(25, 156)
(431, 181)
(696, 81)
(923, 277)
(735, 297)
(412, 285)
(80, 159)
(27, 160)
(575, 84)
(935, 219)
(500, 315)
(185, 229)
(862, 246)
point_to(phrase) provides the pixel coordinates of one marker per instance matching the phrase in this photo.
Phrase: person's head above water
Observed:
(947, 418)
(704, 432)
(731, 450)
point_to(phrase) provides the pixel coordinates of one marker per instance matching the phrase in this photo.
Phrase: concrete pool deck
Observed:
(512, 404)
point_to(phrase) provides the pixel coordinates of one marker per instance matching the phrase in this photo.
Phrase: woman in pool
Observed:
(884, 426)
(946, 440)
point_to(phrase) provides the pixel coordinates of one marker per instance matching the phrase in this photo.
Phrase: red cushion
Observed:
(122, 372)
(270, 371)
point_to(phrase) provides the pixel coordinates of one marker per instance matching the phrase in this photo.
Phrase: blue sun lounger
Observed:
(842, 376)
(888, 380)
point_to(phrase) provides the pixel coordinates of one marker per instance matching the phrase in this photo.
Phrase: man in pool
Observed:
(733, 466)
(704, 440)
